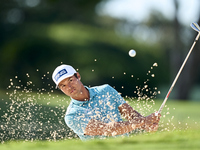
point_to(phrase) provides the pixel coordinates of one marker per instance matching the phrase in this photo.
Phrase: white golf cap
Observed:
(62, 72)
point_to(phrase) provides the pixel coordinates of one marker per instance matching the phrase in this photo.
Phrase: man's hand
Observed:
(152, 118)
(151, 122)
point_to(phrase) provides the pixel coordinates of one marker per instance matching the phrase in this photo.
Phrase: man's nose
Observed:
(69, 86)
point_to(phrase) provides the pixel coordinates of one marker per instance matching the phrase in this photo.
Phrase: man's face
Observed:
(71, 86)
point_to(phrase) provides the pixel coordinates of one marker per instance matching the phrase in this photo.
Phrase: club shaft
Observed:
(178, 74)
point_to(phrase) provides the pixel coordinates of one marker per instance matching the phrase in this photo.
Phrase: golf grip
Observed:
(172, 86)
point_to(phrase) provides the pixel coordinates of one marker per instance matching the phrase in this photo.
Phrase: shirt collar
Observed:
(92, 93)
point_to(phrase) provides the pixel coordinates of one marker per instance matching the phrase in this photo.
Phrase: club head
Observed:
(195, 26)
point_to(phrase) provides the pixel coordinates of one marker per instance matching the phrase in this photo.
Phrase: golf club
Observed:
(196, 27)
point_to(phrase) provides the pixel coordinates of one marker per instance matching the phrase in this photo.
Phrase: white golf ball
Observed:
(132, 53)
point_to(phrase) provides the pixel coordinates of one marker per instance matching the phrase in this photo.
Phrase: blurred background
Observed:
(94, 36)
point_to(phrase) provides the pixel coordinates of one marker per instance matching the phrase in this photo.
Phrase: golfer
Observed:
(96, 112)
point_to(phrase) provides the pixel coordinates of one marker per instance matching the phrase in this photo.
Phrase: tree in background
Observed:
(175, 41)
(44, 33)
(188, 78)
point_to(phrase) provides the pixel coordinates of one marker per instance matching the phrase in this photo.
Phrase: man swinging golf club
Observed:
(97, 112)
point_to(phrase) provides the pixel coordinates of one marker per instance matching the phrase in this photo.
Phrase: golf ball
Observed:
(132, 53)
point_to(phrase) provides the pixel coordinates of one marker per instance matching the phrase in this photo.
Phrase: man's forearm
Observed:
(118, 128)
(136, 114)
(96, 127)
(128, 112)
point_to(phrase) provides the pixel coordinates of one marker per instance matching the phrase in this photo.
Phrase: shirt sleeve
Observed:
(78, 121)
(116, 96)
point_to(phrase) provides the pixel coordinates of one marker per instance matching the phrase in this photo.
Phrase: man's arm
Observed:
(135, 120)
(130, 114)
(96, 127)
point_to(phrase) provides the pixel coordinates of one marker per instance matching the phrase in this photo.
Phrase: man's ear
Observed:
(79, 76)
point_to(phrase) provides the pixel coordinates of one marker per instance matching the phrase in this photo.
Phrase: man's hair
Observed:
(76, 75)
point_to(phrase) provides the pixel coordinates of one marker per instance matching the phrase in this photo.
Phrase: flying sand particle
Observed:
(155, 65)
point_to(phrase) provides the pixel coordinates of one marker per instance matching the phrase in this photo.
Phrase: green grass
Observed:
(176, 140)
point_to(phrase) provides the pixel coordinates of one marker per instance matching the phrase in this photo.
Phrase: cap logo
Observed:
(60, 74)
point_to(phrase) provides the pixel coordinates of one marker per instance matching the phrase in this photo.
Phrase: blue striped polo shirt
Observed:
(103, 106)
